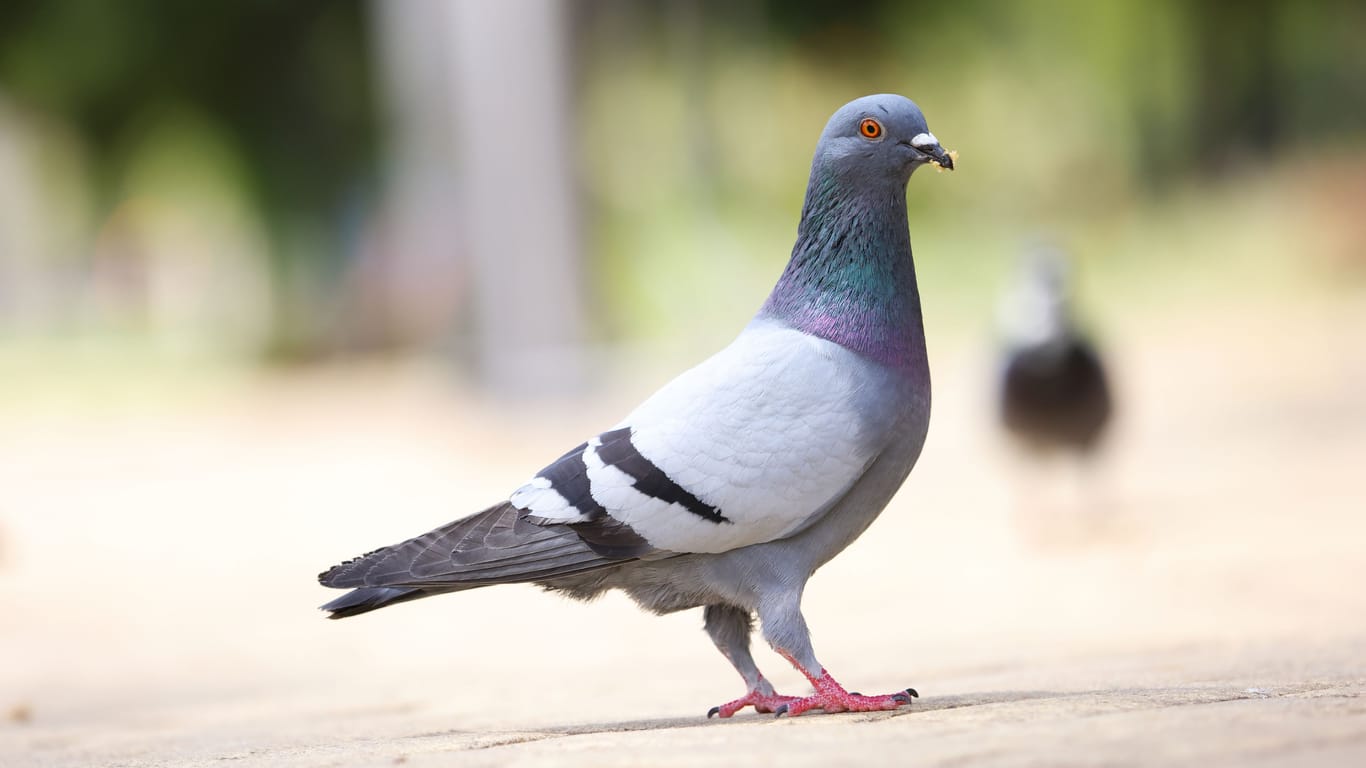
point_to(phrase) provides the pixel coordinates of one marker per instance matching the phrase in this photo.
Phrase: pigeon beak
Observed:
(927, 145)
(939, 157)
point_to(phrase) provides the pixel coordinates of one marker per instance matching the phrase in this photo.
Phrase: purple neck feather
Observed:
(851, 279)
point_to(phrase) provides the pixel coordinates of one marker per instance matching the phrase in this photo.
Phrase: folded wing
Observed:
(750, 446)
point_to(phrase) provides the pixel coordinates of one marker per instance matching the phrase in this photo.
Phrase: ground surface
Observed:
(1200, 603)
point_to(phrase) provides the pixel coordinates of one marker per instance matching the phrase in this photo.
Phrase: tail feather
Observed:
(496, 546)
(367, 599)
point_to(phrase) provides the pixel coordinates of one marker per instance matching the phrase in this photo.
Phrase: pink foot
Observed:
(762, 702)
(830, 696)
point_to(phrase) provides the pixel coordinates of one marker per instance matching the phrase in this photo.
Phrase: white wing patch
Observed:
(541, 499)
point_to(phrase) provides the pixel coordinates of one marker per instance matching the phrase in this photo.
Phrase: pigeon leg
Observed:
(730, 628)
(785, 629)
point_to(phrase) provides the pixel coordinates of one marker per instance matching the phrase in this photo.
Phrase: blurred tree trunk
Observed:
(411, 287)
(515, 148)
(480, 236)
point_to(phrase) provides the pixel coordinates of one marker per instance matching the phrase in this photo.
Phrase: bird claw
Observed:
(762, 703)
(904, 697)
(830, 697)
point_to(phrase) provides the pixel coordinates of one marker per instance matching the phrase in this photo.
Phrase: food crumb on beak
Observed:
(953, 155)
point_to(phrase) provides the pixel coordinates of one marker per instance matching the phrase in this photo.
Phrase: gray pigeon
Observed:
(1054, 392)
(734, 482)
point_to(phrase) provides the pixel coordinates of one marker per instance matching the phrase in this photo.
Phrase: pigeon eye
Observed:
(870, 128)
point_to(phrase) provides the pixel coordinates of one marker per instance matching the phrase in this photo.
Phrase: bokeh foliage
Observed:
(285, 87)
(1096, 123)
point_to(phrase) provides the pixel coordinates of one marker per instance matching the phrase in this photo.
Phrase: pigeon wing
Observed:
(750, 446)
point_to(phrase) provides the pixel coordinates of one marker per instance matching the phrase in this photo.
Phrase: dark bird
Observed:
(733, 483)
(1054, 395)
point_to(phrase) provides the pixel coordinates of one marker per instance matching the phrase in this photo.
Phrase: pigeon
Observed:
(732, 484)
(1054, 394)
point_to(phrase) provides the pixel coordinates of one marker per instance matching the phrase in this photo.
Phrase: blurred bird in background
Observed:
(1054, 397)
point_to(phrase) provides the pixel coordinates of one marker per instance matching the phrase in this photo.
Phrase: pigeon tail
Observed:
(367, 599)
(496, 546)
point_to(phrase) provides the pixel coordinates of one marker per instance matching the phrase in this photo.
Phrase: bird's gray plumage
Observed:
(736, 481)
(496, 546)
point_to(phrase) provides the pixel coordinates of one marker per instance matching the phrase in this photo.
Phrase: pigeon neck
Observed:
(851, 279)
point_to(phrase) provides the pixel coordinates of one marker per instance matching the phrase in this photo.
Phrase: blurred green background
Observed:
(231, 184)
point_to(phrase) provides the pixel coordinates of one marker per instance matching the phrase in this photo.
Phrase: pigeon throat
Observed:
(851, 279)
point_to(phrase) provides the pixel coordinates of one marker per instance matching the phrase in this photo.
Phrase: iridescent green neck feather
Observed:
(851, 279)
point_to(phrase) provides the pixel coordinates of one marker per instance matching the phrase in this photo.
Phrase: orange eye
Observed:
(870, 128)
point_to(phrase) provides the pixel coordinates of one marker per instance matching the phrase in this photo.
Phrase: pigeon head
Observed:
(1036, 311)
(850, 279)
(878, 138)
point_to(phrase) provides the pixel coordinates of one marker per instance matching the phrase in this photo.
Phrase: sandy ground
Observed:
(1200, 602)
